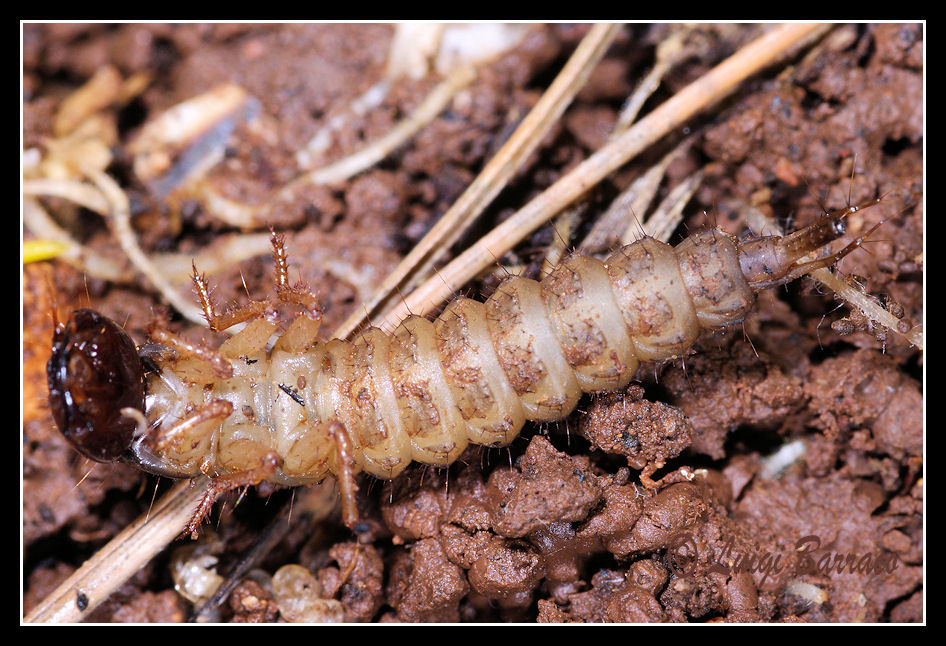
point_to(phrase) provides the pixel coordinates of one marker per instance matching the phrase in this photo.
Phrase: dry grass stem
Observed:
(427, 111)
(98, 92)
(72, 190)
(669, 53)
(627, 209)
(669, 213)
(872, 310)
(42, 225)
(120, 220)
(308, 155)
(564, 224)
(222, 253)
(122, 557)
(247, 216)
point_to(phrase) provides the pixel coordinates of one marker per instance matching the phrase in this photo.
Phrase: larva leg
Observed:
(221, 484)
(297, 294)
(220, 366)
(217, 322)
(345, 473)
(304, 330)
(251, 339)
(301, 334)
(188, 441)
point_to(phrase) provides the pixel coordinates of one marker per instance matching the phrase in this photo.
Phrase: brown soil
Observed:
(558, 528)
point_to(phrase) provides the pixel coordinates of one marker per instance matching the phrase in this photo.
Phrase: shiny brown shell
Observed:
(93, 373)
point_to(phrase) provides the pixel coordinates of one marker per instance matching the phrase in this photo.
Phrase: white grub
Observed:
(807, 591)
(785, 456)
(298, 595)
(193, 571)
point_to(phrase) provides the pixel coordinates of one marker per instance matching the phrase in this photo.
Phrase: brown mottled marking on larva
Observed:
(307, 409)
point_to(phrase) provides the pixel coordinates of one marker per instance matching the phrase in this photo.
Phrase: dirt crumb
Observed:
(425, 586)
(251, 604)
(547, 487)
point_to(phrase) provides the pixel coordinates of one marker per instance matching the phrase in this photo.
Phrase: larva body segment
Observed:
(300, 410)
(475, 374)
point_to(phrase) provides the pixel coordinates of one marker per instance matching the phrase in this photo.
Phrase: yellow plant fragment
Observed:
(36, 250)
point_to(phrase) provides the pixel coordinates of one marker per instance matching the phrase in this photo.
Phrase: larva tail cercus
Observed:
(293, 412)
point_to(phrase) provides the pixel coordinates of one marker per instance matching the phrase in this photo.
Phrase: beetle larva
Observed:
(299, 410)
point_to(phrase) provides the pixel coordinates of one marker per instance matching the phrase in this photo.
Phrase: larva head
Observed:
(93, 373)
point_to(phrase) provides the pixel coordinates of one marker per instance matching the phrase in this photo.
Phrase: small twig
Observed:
(124, 555)
(315, 505)
(70, 189)
(222, 253)
(669, 53)
(669, 213)
(372, 98)
(630, 205)
(868, 307)
(271, 535)
(40, 224)
(564, 225)
(433, 104)
(98, 92)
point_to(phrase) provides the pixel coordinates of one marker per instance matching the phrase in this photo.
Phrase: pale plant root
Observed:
(247, 216)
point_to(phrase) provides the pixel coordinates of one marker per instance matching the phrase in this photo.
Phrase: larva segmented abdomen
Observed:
(301, 410)
(480, 370)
